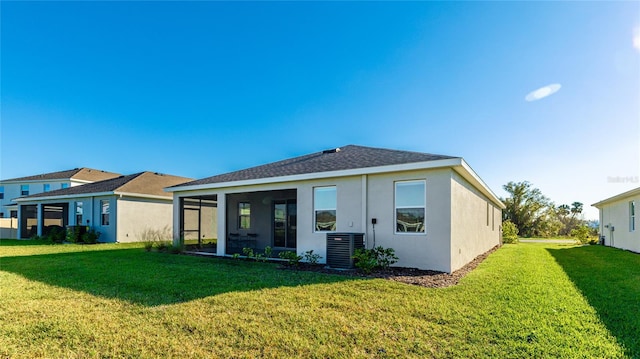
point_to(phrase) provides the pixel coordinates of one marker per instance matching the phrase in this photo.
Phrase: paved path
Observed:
(554, 241)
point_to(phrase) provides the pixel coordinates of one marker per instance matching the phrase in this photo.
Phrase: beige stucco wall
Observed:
(135, 215)
(429, 250)
(616, 215)
(475, 223)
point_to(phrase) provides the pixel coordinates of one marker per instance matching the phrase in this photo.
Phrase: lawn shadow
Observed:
(151, 278)
(609, 279)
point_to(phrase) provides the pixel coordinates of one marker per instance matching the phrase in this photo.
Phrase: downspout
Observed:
(364, 210)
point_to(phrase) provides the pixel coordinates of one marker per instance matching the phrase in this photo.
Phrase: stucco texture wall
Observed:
(475, 223)
(429, 250)
(135, 215)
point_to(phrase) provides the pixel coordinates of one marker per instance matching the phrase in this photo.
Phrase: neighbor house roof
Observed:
(343, 158)
(79, 174)
(621, 196)
(144, 184)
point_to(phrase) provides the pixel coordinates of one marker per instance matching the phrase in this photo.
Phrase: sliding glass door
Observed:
(284, 223)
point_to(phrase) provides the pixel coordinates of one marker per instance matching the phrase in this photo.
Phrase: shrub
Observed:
(582, 235)
(91, 236)
(56, 234)
(153, 237)
(379, 257)
(268, 252)
(292, 258)
(311, 258)
(509, 232)
(248, 252)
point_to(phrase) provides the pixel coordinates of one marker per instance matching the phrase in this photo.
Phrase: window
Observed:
(46, 187)
(632, 216)
(324, 206)
(78, 213)
(410, 206)
(244, 215)
(1, 192)
(13, 214)
(104, 204)
(64, 185)
(24, 190)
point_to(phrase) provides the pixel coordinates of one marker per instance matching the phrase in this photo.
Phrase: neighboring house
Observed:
(10, 189)
(619, 226)
(434, 211)
(120, 208)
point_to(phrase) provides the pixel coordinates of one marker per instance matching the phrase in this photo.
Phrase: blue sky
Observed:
(202, 88)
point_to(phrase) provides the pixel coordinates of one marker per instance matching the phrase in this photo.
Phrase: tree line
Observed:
(535, 215)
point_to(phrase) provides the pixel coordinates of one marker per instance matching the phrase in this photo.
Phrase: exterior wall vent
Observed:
(341, 247)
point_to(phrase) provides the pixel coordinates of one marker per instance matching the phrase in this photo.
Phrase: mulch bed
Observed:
(424, 278)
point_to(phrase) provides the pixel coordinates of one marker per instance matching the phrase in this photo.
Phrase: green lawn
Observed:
(115, 300)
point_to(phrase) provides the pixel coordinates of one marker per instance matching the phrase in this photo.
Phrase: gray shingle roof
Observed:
(348, 157)
(86, 174)
(148, 183)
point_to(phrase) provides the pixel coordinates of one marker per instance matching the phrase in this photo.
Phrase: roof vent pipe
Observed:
(333, 150)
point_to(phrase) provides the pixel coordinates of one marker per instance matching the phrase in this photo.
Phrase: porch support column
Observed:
(40, 219)
(222, 224)
(177, 217)
(19, 234)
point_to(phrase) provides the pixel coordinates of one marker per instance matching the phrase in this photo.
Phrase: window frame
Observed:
(396, 207)
(318, 209)
(64, 185)
(105, 214)
(23, 191)
(79, 205)
(1, 192)
(241, 216)
(46, 187)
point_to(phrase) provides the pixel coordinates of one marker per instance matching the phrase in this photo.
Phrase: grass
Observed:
(525, 300)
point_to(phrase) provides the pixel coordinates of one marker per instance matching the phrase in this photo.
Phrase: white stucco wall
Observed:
(475, 223)
(429, 250)
(135, 215)
(616, 215)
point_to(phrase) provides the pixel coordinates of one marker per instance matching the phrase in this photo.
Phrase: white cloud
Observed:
(636, 38)
(542, 92)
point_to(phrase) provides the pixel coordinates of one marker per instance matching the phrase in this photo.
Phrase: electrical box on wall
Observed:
(374, 220)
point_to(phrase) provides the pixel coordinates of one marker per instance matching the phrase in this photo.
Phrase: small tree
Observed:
(509, 232)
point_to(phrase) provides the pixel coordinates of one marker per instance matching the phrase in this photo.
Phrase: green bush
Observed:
(582, 235)
(91, 236)
(509, 232)
(311, 258)
(292, 258)
(375, 258)
(56, 234)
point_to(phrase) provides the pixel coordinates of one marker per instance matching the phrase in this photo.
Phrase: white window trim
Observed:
(108, 212)
(395, 208)
(315, 230)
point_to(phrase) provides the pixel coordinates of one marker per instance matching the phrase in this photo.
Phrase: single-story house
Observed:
(433, 210)
(120, 208)
(13, 188)
(618, 223)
